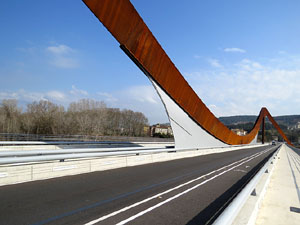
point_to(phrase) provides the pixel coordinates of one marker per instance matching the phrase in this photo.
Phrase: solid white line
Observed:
(165, 192)
(180, 194)
(172, 189)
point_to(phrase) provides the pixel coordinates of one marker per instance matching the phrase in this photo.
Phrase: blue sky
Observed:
(237, 55)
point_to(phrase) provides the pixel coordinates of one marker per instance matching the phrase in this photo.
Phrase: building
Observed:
(161, 129)
(295, 127)
(240, 132)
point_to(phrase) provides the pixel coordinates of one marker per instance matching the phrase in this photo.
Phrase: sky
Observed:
(238, 56)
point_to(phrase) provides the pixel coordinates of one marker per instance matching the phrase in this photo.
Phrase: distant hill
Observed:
(230, 120)
(288, 121)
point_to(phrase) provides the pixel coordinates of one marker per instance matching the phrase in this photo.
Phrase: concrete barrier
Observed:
(108, 163)
(15, 174)
(57, 169)
(138, 160)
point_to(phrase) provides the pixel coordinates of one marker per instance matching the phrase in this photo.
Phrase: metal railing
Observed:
(70, 138)
(32, 156)
(8, 143)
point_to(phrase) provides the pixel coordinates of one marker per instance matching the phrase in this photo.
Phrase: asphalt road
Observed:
(184, 191)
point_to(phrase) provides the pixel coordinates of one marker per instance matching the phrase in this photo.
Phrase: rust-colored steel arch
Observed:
(124, 23)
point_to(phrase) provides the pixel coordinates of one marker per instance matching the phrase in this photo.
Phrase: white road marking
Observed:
(180, 194)
(172, 189)
(238, 170)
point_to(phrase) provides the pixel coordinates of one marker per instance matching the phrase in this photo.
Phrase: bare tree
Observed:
(86, 105)
(133, 123)
(89, 116)
(9, 116)
(85, 117)
(44, 114)
(26, 123)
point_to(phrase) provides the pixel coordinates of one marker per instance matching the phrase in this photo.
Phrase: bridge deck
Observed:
(188, 190)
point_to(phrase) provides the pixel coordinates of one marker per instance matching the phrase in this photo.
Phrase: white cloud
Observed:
(249, 64)
(22, 95)
(8, 95)
(143, 93)
(64, 62)
(62, 56)
(282, 52)
(144, 98)
(107, 97)
(78, 92)
(246, 86)
(56, 95)
(234, 50)
(214, 63)
(60, 49)
(141, 98)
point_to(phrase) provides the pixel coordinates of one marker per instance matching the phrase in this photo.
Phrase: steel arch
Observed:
(125, 24)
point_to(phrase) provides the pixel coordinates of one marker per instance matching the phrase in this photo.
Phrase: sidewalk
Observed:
(283, 193)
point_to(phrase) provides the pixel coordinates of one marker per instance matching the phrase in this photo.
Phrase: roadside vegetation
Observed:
(84, 117)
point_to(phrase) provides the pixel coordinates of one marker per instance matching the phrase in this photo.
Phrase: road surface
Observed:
(185, 191)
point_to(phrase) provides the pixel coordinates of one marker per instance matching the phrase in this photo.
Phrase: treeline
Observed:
(84, 117)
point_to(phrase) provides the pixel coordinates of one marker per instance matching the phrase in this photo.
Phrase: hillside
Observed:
(230, 120)
(286, 123)
(289, 121)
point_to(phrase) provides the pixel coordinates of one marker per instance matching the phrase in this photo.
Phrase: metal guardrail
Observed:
(7, 143)
(27, 156)
(39, 157)
(21, 153)
(230, 213)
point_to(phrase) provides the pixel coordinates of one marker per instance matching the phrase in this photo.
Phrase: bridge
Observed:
(208, 175)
